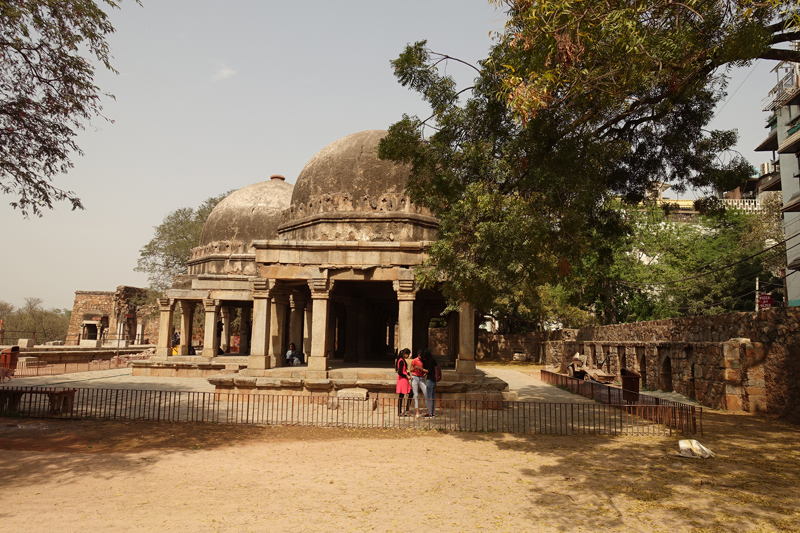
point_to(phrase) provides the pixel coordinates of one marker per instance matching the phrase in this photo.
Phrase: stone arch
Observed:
(665, 375)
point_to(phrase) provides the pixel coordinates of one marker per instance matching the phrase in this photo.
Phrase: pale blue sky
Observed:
(214, 95)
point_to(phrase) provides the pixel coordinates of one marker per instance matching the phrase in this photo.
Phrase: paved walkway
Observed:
(526, 383)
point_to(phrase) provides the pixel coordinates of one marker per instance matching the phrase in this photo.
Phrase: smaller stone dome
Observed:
(251, 213)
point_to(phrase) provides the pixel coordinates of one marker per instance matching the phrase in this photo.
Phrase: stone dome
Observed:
(349, 166)
(251, 213)
(346, 193)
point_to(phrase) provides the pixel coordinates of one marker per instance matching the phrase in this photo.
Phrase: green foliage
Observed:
(663, 269)
(624, 61)
(525, 205)
(47, 91)
(34, 321)
(167, 253)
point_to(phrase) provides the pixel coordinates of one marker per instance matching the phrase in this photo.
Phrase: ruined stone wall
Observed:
(126, 303)
(87, 302)
(737, 361)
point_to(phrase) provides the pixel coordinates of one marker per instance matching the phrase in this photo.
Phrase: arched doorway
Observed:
(666, 375)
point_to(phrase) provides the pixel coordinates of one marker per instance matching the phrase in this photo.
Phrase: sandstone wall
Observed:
(738, 361)
(87, 302)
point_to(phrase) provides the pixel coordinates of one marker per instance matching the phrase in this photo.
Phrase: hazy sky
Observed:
(215, 95)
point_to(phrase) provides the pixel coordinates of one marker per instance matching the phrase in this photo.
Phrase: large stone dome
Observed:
(351, 166)
(251, 213)
(346, 192)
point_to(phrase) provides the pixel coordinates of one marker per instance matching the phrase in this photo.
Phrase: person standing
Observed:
(418, 380)
(429, 366)
(403, 386)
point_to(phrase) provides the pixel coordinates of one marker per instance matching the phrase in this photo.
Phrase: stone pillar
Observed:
(308, 322)
(225, 339)
(244, 331)
(277, 330)
(405, 313)
(262, 305)
(392, 328)
(297, 311)
(465, 364)
(187, 316)
(361, 346)
(167, 308)
(210, 338)
(320, 299)
(352, 312)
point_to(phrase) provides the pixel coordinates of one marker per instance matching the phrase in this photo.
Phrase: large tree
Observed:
(577, 103)
(167, 253)
(47, 92)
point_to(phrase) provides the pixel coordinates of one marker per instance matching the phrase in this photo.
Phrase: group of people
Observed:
(421, 375)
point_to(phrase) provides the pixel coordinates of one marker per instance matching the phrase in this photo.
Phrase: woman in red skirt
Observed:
(403, 386)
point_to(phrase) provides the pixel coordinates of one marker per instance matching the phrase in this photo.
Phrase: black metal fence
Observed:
(324, 411)
(683, 418)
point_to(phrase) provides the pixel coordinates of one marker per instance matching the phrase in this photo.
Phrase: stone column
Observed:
(297, 306)
(361, 346)
(352, 312)
(225, 339)
(262, 305)
(308, 324)
(320, 299)
(465, 364)
(405, 313)
(244, 331)
(277, 330)
(167, 308)
(187, 316)
(210, 338)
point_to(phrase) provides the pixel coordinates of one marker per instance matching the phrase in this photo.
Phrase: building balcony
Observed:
(785, 90)
(770, 144)
(791, 144)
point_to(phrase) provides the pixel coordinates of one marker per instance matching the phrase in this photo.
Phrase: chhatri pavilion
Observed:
(326, 264)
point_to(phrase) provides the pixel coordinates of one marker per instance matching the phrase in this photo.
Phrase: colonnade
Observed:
(318, 324)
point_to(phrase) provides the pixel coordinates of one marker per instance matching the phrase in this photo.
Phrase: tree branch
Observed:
(779, 54)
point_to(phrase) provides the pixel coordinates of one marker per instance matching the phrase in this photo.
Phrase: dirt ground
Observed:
(67, 475)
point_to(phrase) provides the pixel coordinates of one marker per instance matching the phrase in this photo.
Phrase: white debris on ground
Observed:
(694, 450)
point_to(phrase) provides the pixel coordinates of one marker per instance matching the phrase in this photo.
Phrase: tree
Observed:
(622, 61)
(34, 320)
(522, 202)
(47, 92)
(167, 254)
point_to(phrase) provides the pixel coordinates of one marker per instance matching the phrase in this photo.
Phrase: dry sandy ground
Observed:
(63, 476)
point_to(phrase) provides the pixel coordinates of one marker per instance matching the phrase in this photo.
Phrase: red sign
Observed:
(765, 301)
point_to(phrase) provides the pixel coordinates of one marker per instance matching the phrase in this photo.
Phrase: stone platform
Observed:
(378, 382)
(189, 366)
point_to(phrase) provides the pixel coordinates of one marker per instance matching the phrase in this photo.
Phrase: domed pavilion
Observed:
(326, 264)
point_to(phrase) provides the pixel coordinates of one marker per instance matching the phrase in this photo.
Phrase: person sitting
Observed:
(293, 356)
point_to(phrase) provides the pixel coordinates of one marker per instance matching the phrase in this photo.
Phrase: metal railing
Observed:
(324, 411)
(681, 417)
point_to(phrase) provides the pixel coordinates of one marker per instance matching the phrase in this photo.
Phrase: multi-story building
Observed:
(783, 141)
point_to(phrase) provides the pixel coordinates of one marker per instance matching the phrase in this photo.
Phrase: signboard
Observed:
(128, 316)
(765, 301)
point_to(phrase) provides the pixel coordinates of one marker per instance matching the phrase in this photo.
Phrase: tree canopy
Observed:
(577, 103)
(34, 321)
(47, 92)
(167, 253)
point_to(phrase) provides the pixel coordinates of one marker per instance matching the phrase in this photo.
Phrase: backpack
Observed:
(437, 373)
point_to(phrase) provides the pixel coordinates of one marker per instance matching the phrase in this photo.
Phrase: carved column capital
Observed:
(320, 288)
(404, 289)
(210, 304)
(297, 302)
(166, 304)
